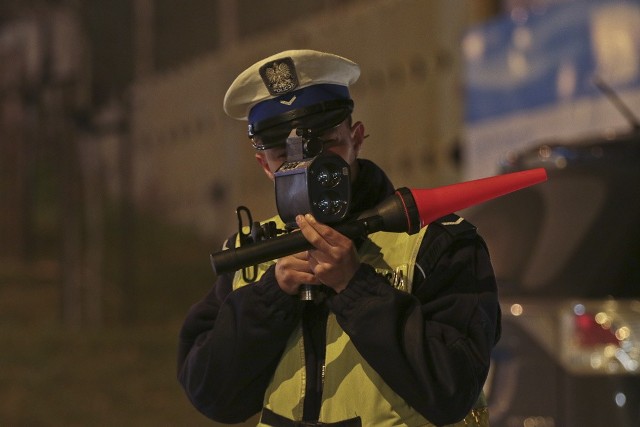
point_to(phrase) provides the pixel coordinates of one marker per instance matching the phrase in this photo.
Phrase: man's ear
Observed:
(262, 161)
(357, 134)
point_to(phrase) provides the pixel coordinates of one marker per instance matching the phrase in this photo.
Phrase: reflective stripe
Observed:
(286, 391)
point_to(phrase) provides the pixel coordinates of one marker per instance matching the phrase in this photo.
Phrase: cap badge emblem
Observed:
(279, 76)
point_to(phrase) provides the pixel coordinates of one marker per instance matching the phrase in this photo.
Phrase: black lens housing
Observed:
(319, 185)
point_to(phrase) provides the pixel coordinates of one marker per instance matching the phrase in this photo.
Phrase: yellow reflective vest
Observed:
(351, 387)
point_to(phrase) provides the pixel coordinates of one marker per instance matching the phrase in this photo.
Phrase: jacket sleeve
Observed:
(219, 341)
(431, 346)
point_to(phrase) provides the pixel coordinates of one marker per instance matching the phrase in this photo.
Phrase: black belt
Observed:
(275, 420)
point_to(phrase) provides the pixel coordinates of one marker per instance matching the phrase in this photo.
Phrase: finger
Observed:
(298, 262)
(292, 271)
(310, 232)
(337, 247)
(302, 256)
(321, 236)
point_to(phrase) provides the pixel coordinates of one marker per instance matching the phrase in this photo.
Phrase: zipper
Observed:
(314, 336)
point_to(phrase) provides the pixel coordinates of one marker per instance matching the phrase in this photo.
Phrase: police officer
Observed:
(403, 328)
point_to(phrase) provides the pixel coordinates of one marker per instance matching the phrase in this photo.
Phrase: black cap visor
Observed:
(273, 132)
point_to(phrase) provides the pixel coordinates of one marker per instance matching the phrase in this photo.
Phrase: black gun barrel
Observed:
(266, 250)
(408, 210)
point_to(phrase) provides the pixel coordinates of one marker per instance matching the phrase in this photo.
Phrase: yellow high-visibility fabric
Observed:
(352, 388)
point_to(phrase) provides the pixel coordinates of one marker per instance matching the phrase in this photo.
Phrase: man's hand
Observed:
(294, 270)
(332, 262)
(334, 259)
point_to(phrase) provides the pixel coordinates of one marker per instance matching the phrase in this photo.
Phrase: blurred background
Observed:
(120, 173)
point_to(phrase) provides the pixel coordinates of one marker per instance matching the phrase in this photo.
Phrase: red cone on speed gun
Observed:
(436, 202)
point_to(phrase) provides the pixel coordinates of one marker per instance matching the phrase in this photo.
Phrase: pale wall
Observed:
(408, 96)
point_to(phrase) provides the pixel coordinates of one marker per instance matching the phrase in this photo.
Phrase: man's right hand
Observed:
(294, 270)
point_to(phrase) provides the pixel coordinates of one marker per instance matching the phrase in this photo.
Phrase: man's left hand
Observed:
(334, 259)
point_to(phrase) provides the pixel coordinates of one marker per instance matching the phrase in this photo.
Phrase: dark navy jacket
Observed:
(437, 340)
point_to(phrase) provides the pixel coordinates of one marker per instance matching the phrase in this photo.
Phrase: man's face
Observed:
(342, 140)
